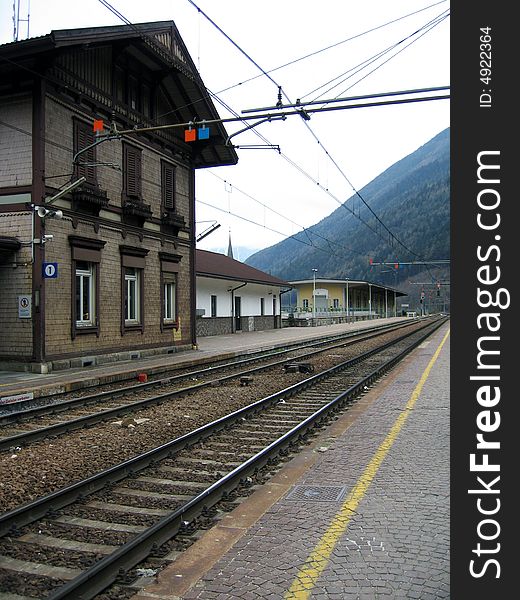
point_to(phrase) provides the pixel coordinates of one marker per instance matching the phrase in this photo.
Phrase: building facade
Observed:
(342, 300)
(233, 297)
(103, 270)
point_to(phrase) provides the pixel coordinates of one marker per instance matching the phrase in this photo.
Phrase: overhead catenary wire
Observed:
(367, 62)
(391, 234)
(392, 237)
(107, 4)
(295, 165)
(284, 235)
(329, 47)
(307, 175)
(154, 183)
(304, 229)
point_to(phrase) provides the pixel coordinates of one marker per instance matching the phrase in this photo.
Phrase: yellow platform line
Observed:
(316, 562)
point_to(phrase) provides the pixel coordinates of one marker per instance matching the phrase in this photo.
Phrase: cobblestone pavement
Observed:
(396, 542)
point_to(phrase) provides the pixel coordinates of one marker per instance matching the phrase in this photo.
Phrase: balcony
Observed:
(135, 212)
(172, 221)
(89, 199)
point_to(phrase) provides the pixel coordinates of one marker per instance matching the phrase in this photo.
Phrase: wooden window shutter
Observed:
(83, 137)
(132, 169)
(168, 186)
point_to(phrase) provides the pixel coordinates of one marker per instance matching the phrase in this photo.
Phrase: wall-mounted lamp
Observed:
(43, 212)
(43, 239)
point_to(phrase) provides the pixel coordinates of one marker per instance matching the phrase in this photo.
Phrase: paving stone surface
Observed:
(396, 544)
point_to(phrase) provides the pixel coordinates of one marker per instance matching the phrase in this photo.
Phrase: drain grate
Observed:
(317, 493)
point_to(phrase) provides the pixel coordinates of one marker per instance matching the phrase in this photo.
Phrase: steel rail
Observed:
(97, 578)
(28, 513)
(94, 418)
(213, 365)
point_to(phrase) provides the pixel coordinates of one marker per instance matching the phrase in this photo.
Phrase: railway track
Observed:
(19, 428)
(92, 535)
(175, 372)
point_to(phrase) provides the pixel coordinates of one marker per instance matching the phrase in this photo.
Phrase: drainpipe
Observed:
(233, 290)
(37, 197)
(193, 255)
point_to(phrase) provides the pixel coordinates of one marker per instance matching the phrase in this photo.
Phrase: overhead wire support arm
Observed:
(207, 231)
(267, 119)
(102, 138)
(298, 103)
(272, 116)
(114, 133)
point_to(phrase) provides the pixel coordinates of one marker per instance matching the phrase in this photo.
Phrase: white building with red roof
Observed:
(234, 297)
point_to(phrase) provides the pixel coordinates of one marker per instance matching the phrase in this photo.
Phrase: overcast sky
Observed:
(378, 48)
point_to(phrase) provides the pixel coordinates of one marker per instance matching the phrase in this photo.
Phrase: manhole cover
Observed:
(316, 493)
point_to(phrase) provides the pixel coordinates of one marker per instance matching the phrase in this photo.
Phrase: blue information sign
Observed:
(50, 270)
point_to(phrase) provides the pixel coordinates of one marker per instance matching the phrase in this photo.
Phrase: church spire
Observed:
(230, 247)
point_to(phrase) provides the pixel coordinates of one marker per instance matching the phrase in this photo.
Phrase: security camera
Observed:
(47, 238)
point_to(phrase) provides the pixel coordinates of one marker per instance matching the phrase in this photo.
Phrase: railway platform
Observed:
(225, 346)
(361, 513)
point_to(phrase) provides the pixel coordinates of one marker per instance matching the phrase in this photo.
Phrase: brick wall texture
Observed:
(15, 169)
(15, 280)
(15, 141)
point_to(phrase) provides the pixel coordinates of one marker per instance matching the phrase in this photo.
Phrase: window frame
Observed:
(133, 258)
(170, 274)
(131, 85)
(83, 136)
(169, 298)
(168, 199)
(88, 251)
(133, 299)
(132, 172)
(87, 274)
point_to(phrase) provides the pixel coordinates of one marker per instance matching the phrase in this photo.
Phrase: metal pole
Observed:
(314, 296)
(348, 304)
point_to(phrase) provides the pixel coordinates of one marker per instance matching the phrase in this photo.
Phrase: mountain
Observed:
(411, 198)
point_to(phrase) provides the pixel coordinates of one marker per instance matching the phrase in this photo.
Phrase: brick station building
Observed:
(106, 270)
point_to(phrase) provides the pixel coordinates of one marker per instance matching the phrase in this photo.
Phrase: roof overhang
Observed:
(352, 284)
(159, 47)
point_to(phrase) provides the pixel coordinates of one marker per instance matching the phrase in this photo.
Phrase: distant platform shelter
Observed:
(233, 297)
(326, 301)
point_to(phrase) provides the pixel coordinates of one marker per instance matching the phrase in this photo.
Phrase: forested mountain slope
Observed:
(412, 198)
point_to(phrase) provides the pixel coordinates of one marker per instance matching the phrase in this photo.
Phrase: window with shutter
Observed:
(168, 186)
(132, 171)
(83, 137)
